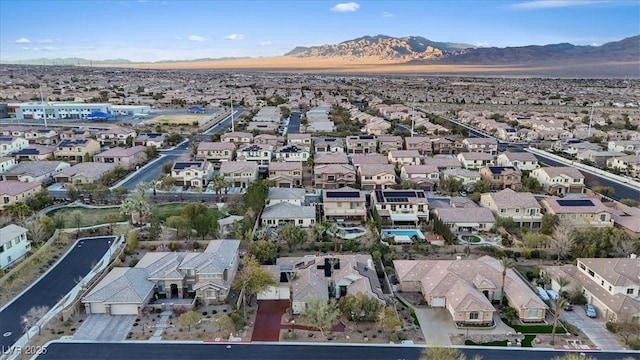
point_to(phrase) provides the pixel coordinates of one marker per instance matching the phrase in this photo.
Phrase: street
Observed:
(294, 123)
(51, 287)
(198, 350)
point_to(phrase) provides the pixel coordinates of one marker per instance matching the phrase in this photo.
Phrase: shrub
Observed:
(634, 344)
(133, 261)
(234, 316)
(394, 337)
(490, 343)
(152, 248)
(196, 245)
(612, 327)
(510, 313)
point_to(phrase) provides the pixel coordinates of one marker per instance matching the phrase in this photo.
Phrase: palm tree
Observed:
(291, 277)
(560, 304)
(219, 183)
(506, 263)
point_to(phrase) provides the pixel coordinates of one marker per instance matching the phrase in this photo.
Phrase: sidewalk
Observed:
(160, 326)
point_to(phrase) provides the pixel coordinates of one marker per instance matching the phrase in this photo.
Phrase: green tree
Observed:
(531, 184)
(251, 280)
(151, 152)
(549, 222)
(506, 264)
(264, 251)
(119, 191)
(320, 313)
(360, 307)
(223, 324)
(219, 184)
(560, 304)
(256, 195)
(389, 319)
(136, 202)
(189, 319)
(604, 190)
(292, 236)
(72, 192)
(18, 211)
(101, 192)
(482, 186)
(38, 231)
(86, 157)
(202, 225)
(182, 226)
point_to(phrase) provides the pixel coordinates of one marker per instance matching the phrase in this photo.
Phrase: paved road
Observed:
(50, 288)
(176, 351)
(294, 123)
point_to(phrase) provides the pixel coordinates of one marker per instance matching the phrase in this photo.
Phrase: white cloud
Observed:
(177, 38)
(265, 43)
(235, 37)
(550, 4)
(24, 48)
(22, 41)
(346, 7)
(196, 38)
(49, 48)
(482, 44)
(387, 14)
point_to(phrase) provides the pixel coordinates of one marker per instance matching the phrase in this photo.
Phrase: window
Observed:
(609, 287)
(300, 221)
(582, 267)
(630, 291)
(603, 217)
(602, 282)
(591, 273)
(8, 245)
(473, 315)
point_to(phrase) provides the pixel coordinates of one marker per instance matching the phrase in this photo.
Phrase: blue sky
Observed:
(154, 30)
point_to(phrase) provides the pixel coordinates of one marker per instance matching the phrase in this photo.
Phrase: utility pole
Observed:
(44, 111)
(413, 113)
(590, 121)
(233, 127)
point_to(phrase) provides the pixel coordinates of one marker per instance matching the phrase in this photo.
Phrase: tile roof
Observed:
(584, 205)
(465, 215)
(285, 193)
(288, 211)
(520, 156)
(88, 169)
(13, 188)
(216, 146)
(10, 232)
(285, 166)
(334, 169)
(35, 168)
(562, 170)
(120, 151)
(330, 158)
(618, 271)
(509, 199)
(376, 169)
(235, 166)
(122, 285)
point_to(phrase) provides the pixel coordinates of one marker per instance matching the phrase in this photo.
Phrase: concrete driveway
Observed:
(594, 328)
(437, 325)
(101, 327)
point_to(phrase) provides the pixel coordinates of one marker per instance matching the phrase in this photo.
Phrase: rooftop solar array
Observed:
(6, 138)
(500, 169)
(184, 165)
(581, 202)
(72, 142)
(27, 151)
(290, 149)
(342, 194)
(398, 196)
(252, 148)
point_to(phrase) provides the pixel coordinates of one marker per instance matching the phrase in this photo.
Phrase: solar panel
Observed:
(28, 151)
(581, 202)
(403, 194)
(342, 194)
(5, 139)
(184, 165)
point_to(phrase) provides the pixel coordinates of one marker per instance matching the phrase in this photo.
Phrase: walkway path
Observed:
(160, 326)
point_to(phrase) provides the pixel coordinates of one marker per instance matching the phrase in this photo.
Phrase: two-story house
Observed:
(126, 158)
(192, 173)
(10, 144)
(522, 207)
(361, 144)
(628, 146)
(328, 144)
(333, 176)
(158, 140)
(330, 158)
(14, 245)
(76, 149)
(580, 211)
(299, 139)
(268, 139)
(261, 154)
(426, 176)
(237, 137)
(215, 152)
(239, 173)
(502, 177)
(404, 157)
(629, 164)
(29, 171)
(443, 162)
(42, 136)
(559, 180)
(524, 161)
(297, 153)
(344, 205)
(373, 158)
(420, 143)
(475, 160)
(35, 153)
(286, 174)
(387, 143)
(446, 146)
(13, 191)
(401, 207)
(477, 144)
(376, 176)
(6, 163)
(115, 136)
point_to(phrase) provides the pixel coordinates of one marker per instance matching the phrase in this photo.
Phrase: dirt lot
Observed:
(179, 120)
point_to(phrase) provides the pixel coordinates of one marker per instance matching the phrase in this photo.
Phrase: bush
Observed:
(234, 316)
(528, 339)
(413, 315)
(394, 337)
(196, 245)
(490, 343)
(152, 248)
(510, 313)
(133, 261)
(634, 344)
(535, 329)
(612, 327)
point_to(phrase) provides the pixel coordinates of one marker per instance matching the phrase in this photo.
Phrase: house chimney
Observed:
(370, 264)
(633, 256)
(458, 257)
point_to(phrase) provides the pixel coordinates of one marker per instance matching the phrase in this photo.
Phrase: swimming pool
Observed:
(404, 232)
(347, 233)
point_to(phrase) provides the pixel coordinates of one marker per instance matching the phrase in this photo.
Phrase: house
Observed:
(328, 144)
(239, 173)
(468, 289)
(237, 137)
(378, 127)
(628, 146)
(157, 140)
(578, 211)
(466, 219)
(446, 146)
(376, 176)
(404, 157)
(12, 191)
(596, 157)
(333, 176)
(524, 161)
(476, 144)
(285, 212)
(560, 180)
(443, 162)
(76, 149)
(14, 245)
(35, 153)
(299, 139)
(289, 195)
(609, 284)
(344, 205)
(426, 176)
(83, 173)
(126, 158)
(389, 142)
(296, 153)
(349, 274)
(468, 177)
(401, 207)
(206, 276)
(80, 133)
(629, 164)
(475, 160)
(330, 158)
(6, 163)
(42, 136)
(10, 144)
(420, 143)
(625, 217)
(116, 136)
(215, 152)
(266, 139)
(286, 174)
(192, 173)
(502, 177)
(373, 158)
(522, 207)
(29, 171)
(361, 144)
(261, 154)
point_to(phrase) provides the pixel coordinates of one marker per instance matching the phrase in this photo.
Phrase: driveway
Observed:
(437, 325)
(52, 286)
(268, 318)
(103, 328)
(594, 328)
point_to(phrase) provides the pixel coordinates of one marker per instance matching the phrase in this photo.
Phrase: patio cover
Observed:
(404, 217)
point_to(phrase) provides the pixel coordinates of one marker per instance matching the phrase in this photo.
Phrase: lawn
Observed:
(89, 217)
(471, 238)
(535, 329)
(166, 210)
(526, 342)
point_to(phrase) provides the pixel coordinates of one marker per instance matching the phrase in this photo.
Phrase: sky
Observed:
(156, 30)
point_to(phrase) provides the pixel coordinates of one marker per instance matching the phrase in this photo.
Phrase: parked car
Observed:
(568, 307)
(591, 311)
(553, 295)
(543, 293)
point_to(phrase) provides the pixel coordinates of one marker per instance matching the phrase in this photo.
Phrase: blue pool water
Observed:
(407, 233)
(353, 231)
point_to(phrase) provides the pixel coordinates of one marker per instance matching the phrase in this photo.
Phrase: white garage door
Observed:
(438, 302)
(97, 308)
(275, 293)
(124, 309)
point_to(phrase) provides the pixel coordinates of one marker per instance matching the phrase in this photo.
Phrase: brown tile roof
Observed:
(216, 146)
(13, 188)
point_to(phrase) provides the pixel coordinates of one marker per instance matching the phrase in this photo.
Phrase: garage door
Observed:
(124, 309)
(438, 302)
(97, 308)
(275, 293)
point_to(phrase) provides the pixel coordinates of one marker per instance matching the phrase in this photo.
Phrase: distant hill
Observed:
(67, 61)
